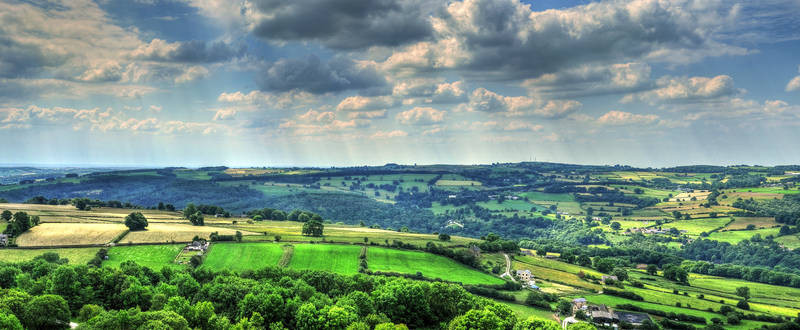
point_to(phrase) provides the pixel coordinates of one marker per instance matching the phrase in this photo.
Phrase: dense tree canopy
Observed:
(136, 221)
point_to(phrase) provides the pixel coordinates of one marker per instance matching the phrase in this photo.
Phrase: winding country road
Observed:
(508, 269)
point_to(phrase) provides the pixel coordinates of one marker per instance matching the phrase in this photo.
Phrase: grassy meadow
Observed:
(242, 256)
(336, 258)
(431, 266)
(152, 256)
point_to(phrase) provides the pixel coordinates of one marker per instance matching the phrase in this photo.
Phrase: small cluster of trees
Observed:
(136, 221)
(194, 215)
(313, 228)
(18, 222)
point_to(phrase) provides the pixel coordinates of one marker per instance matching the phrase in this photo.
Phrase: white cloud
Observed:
(794, 84)
(616, 117)
(225, 114)
(388, 134)
(363, 103)
(687, 89)
(191, 74)
(506, 40)
(291, 99)
(484, 100)
(421, 116)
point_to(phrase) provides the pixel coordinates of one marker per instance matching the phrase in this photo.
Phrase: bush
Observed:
(89, 311)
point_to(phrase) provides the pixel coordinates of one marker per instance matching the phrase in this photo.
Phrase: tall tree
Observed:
(136, 221)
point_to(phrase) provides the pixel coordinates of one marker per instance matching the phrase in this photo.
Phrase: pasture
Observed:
(342, 259)
(171, 233)
(430, 265)
(736, 236)
(789, 241)
(242, 256)
(694, 227)
(152, 256)
(59, 234)
(743, 222)
(76, 256)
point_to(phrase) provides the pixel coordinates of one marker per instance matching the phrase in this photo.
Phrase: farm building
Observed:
(641, 266)
(609, 277)
(632, 318)
(201, 246)
(3, 239)
(578, 304)
(524, 275)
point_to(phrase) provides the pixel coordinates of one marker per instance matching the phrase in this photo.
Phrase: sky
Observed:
(368, 82)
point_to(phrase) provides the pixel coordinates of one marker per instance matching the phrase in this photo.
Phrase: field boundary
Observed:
(286, 258)
(120, 236)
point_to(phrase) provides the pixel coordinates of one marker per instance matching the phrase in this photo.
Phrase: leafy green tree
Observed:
(65, 282)
(616, 225)
(9, 322)
(47, 312)
(444, 237)
(313, 228)
(604, 265)
(533, 323)
(197, 219)
(564, 307)
(581, 326)
(8, 276)
(676, 273)
(238, 236)
(743, 304)
(89, 311)
(189, 210)
(743, 292)
(6, 215)
(652, 269)
(477, 319)
(620, 273)
(136, 221)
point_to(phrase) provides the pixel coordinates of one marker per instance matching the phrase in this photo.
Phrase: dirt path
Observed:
(508, 268)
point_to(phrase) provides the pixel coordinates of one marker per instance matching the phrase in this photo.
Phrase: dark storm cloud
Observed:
(342, 24)
(19, 59)
(315, 76)
(195, 51)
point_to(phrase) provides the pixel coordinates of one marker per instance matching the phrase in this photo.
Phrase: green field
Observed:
(540, 196)
(76, 256)
(736, 236)
(790, 241)
(696, 226)
(152, 256)
(342, 259)
(242, 256)
(431, 266)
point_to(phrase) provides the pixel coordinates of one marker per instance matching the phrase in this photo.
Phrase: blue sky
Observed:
(335, 83)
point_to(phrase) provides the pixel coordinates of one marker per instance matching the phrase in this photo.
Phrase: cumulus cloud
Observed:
(364, 103)
(592, 80)
(254, 99)
(191, 74)
(388, 134)
(421, 116)
(225, 114)
(378, 114)
(96, 120)
(432, 91)
(317, 77)
(794, 84)
(688, 89)
(506, 40)
(484, 100)
(615, 117)
(195, 51)
(340, 24)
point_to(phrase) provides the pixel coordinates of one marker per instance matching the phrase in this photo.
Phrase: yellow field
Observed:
(68, 213)
(457, 183)
(742, 223)
(52, 234)
(76, 256)
(685, 197)
(167, 233)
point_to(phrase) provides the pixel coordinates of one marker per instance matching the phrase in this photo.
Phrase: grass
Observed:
(696, 226)
(342, 259)
(557, 276)
(759, 222)
(55, 234)
(457, 183)
(171, 233)
(523, 312)
(791, 241)
(76, 256)
(242, 256)
(514, 205)
(430, 265)
(736, 236)
(290, 232)
(152, 256)
(540, 196)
